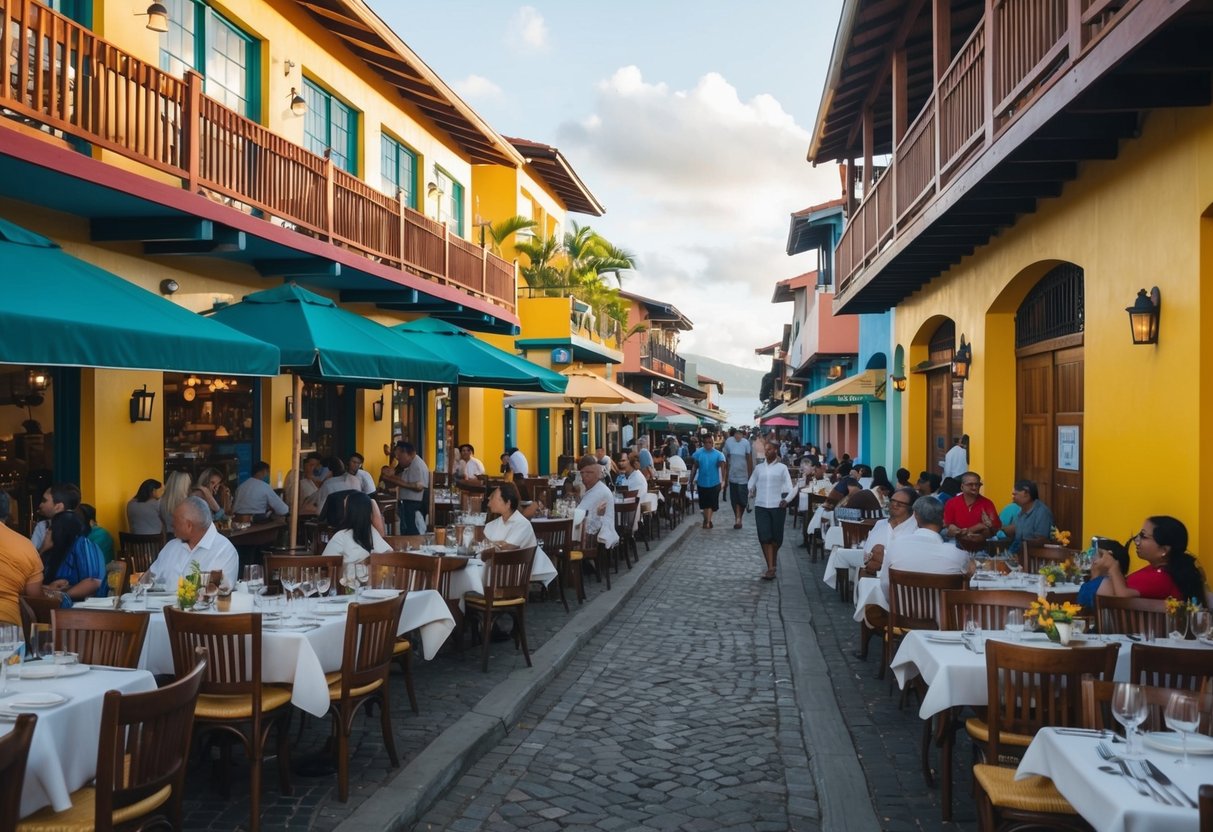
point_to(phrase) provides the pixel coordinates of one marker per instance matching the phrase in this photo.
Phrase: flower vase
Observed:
(1061, 632)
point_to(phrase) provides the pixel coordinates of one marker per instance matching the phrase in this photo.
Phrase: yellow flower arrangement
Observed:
(1058, 573)
(1048, 616)
(187, 586)
(1061, 538)
(1175, 605)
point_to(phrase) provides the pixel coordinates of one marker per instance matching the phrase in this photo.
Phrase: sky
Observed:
(689, 121)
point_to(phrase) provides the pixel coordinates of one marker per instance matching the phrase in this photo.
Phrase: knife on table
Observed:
(1165, 782)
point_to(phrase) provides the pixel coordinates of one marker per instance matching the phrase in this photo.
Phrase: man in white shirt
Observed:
(195, 538)
(770, 485)
(254, 496)
(355, 466)
(467, 466)
(924, 550)
(518, 463)
(956, 461)
(598, 503)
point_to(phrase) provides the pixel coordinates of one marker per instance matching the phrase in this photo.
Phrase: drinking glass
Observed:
(307, 584)
(42, 639)
(362, 575)
(1201, 622)
(1015, 624)
(140, 587)
(349, 577)
(1183, 717)
(1129, 709)
(254, 578)
(324, 581)
(10, 643)
(289, 577)
(1177, 625)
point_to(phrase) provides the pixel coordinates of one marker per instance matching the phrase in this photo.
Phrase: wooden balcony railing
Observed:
(1025, 42)
(660, 358)
(60, 75)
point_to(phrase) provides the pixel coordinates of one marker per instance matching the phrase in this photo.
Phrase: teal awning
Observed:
(319, 339)
(61, 311)
(480, 364)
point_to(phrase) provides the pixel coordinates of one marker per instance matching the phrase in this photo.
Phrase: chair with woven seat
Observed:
(14, 753)
(1130, 615)
(333, 564)
(139, 550)
(507, 581)
(915, 603)
(1029, 688)
(141, 760)
(555, 537)
(989, 608)
(370, 633)
(103, 637)
(232, 699)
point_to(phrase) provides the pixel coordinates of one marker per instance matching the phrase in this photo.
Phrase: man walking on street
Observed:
(708, 472)
(741, 465)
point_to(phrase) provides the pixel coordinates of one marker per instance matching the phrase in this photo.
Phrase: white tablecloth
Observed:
(1105, 800)
(301, 658)
(818, 516)
(1020, 583)
(869, 591)
(840, 557)
(63, 755)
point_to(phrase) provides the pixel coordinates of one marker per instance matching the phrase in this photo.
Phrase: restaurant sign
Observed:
(562, 355)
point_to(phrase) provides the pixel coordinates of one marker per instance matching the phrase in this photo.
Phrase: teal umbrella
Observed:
(672, 421)
(59, 310)
(480, 363)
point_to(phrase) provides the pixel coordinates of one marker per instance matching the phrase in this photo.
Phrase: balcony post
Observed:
(1074, 27)
(987, 82)
(446, 253)
(484, 271)
(192, 157)
(404, 227)
(330, 200)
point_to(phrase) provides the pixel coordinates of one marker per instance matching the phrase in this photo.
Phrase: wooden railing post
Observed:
(404, 227)
(192, 137)
(988, 81)
(446, 252)
(1074, 27)
(484, 271)
(330, 197)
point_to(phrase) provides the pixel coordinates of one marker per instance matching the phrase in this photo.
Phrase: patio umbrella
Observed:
(319, 339)
(672, 421)
(62, 311)
(480, 364)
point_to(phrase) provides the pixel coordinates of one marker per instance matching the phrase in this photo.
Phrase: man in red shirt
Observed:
(970, 518)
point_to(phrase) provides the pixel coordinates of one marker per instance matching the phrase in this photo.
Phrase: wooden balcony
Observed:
(68, 81)
(1038, 87)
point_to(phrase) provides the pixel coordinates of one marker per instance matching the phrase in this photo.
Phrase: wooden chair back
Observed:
(440, 479)
(322, 533)
(105, 637)
(407, 571)
(1097, 706)
(989, 608)
(233, 647)
(447, 567)
(14, 753)
(996, 547)
(1028, 687)
(1130, 615)
(508, 573)
(139, 550)
(916, 598)
(273, 563)
(145, 743)
(370, 636)
(404, 542)
(1205, 801)
(1040, 553)
(855, 533)
(554, 535)
(387, 508)
(625, 515)
(1177, 668)
(42, 607)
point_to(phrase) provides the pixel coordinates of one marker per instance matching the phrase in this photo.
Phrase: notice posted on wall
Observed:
(1067, 447)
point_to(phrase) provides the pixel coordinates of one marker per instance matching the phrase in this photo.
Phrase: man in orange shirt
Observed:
(20, 568)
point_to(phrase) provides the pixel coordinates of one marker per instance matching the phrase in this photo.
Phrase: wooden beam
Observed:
(303, 267)
(224, 240)
(1056, 150)
(145, 229)
(909, 16)
(900, 91)
(941, 38)
(1023, 171)
(1147, 91)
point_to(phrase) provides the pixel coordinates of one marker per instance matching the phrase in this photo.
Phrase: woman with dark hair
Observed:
(881, 484)
(903, 478)
(357, 537)
(73, 566)
(1099, 569)
(95, 533)
(143, 511)
(1170, 571)
(511, 529)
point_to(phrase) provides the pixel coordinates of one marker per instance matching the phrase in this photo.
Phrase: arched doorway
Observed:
(1049, 392)
(945, 397)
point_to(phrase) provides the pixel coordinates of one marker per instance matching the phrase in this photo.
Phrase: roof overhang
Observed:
(785, 290)
(549, 165)
(808, 232)
(661, 312)
(582, 349)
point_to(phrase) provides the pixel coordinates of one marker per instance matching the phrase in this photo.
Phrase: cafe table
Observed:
(869, 591)
(1023, 582)
(63, 754)
(1106, 800)
(840, 558)
(300, 651)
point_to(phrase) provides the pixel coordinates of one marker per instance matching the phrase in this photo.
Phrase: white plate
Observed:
(96, 603)
(34, 699)
(46, 670)
(379, 594)
(1172, 742)
(945, 636)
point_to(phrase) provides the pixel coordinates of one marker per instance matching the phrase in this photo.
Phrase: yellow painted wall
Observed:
(370, 436)
(1133, 222)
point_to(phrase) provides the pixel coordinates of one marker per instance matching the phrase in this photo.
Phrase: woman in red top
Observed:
(1170, 572)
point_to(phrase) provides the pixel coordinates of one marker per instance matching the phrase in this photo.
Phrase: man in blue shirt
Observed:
(708, 469)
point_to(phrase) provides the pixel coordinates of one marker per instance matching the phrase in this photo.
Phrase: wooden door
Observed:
(1034, 450)
(1049, 396)
(939, 412)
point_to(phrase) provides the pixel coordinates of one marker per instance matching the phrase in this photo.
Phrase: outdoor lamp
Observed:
(836, 371)
(141, 405)
(38, 380)
(298, 104)
(290, 408)
(377, 409)
(962, 360)
(157, 17)
(899, 383)
(1143, 316)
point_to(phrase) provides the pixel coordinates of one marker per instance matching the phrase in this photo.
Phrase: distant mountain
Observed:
(739, 382)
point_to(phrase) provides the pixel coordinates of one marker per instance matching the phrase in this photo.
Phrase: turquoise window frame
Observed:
(453, 190)
(331, 126)
(394, 156)
(190, 44)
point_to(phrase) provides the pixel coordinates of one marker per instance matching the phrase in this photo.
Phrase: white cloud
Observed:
(527, 31)
(477, 88)
(701, 183)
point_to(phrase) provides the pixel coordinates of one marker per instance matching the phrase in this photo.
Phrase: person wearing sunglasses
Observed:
(1170, 570)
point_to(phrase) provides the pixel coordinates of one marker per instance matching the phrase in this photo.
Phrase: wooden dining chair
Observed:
(507, 581)
(232, 698)
(1205, 812)
(366, 660)
(103, 637)
(448, 565)
(404, 542)
(139, 550)
(1041, 553)
(406, 571)
(988, 607)
(625, 519)
(1177, 668)
(1130, 615)
(1097, 706)
(334, 564)
(555, 537)
(41, 607)
(854, 535)
(14, 753)
(1029, 688)
(141, 761)
(915, 603)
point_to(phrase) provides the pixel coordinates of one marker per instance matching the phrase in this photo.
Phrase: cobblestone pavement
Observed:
(447, 688)
(887, 738)
(679, 714)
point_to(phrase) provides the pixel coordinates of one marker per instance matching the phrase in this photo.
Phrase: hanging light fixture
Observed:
(38, 379)
(962, 360)
(141, 404)
(1143, 316)
(290, 408)
(298, 104)
(899, 383)
(157, 17)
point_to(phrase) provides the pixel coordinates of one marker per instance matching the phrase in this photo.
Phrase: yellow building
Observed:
(1021, 181)
(249, 144)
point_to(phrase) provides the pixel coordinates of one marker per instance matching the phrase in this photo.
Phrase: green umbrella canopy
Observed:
(62, 311)
(480, 363)
(671, 421)
(320, 339)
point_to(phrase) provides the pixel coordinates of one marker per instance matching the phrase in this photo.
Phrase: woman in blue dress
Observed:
(74, 567)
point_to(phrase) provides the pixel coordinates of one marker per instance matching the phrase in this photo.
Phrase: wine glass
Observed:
(323, 581)
(1015, 624)
(1129, 709)
(141, 586)
(362, 576)
(349, 576)
(1183, 716)
(254, 578)
(1201, 622)
(10, 643)
(289, 577)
